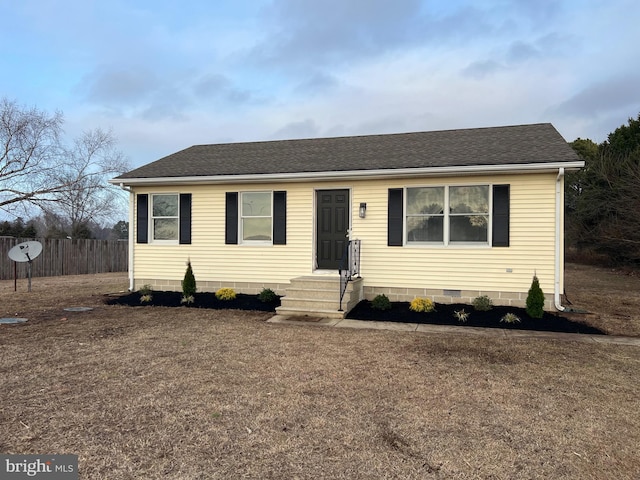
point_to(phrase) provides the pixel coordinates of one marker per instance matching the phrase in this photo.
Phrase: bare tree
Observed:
(37, 169)
(89, 198)
(30, 154)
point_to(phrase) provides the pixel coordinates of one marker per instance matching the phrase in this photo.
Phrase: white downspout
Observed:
(558, 252)
(131, 244)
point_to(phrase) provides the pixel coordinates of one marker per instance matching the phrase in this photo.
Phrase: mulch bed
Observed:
(399, 312)
(201, 300)
(444, 315)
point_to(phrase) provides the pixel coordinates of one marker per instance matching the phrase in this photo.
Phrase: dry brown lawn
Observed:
(150, 393)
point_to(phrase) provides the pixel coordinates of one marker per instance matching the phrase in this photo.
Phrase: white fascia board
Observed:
(353, 174)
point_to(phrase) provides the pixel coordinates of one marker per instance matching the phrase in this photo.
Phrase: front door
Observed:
(331, 229)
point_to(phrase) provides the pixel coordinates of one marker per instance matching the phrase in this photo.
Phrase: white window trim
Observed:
(446, 243)
(152, 238)
(241, 240)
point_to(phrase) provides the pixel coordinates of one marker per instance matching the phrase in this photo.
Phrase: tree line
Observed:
(602, 201)
(39, 228)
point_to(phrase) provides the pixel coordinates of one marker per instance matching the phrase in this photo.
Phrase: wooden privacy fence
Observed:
(66, 257)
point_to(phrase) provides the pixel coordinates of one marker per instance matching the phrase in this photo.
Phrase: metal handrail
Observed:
(349, 266)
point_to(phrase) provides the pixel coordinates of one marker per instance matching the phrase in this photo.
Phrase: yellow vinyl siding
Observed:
(212, 260)
(484, 268)
(532, 233)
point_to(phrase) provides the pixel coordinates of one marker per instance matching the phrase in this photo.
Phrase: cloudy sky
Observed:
(164, 75)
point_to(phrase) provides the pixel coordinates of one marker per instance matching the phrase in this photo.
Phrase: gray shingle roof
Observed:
(512, 145)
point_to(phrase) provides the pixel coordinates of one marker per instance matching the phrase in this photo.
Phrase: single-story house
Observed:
(450, 215)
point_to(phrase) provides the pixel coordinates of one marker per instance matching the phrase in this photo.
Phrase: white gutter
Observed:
(558, 252)
(130, 233)
(352, 174)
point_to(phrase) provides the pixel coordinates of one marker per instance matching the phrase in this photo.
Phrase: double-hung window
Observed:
(165, 217)
(256, 217)
(447, 215)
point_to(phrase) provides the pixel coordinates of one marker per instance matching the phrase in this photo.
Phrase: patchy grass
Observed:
(183, 393)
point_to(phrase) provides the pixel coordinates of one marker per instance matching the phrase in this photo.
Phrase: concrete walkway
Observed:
(450, 329)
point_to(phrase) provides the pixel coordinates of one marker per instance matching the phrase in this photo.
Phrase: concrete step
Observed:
(303, 293)
(308, 303)
(315, 283)
(319, 295)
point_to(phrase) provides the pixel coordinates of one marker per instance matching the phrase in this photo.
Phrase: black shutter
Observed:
(142, 218)
(501, 215)
(395, 218)
(280, 218)
(185, 218)
(231, 218)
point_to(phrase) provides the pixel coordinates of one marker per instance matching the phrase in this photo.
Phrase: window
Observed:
(256, 216)
(165, 218)
(446, 215)
(469, 214)
(425, 214)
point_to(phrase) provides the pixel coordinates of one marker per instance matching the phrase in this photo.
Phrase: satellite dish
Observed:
(26, 251)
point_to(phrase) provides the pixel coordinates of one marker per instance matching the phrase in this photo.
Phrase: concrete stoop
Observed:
(316, 296)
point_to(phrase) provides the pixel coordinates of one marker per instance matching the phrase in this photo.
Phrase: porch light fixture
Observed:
(362, 212)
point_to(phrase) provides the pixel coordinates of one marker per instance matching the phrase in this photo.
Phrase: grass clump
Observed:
(421, 304)
(461, 315)
(482, 303)
(146, 293)
(381, 302)
(226, 294)
(535, 300)
(188, 299)
(510, 318)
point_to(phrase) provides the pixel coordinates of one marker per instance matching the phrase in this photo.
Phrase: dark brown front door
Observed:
(331, 231)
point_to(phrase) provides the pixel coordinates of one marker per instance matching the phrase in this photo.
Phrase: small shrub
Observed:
(145, 289)
(535, 300)
(146, 298)
(226, 294)
(510, 318)
(461, 315)
(421, 304)
(188, 299)
(267, 295)
(381, 302)
(189, 283)
(482, 303)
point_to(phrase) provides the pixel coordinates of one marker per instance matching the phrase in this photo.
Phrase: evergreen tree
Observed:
(189, 282)
(535, 300)
(30, 231)
(5, 229)
(603, 199)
